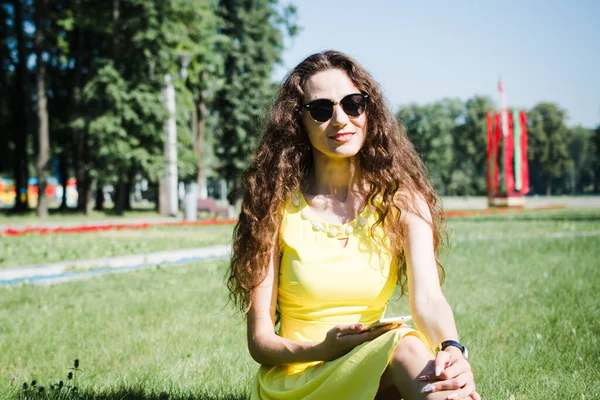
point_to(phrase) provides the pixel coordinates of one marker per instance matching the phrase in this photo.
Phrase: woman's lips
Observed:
(342, 137)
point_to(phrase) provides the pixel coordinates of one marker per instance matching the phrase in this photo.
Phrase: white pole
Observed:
(170, 149)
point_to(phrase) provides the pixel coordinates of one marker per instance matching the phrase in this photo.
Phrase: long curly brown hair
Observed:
(388, 162)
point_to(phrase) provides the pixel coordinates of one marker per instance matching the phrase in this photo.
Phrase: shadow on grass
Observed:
(128, 394)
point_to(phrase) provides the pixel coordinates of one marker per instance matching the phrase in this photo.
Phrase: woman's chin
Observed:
(344, 151)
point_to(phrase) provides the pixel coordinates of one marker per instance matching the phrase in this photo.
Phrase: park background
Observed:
(82, 108)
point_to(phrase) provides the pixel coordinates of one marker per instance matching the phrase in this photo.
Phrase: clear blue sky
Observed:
(421, 51)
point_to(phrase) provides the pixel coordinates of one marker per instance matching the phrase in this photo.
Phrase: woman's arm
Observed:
(264, 345)
(268, 348)
(429, 308)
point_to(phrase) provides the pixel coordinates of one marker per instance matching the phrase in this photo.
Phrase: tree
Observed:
(197, 37)
(470, 144)
(21, 111)
(43, 154)
(432, 129)
(7, 79)
(255, 44)
(547, 150)
(581, 173)
(595, 151)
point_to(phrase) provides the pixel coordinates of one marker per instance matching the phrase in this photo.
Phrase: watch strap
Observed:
(447, 343)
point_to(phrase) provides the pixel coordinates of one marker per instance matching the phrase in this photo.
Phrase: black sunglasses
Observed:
(353, 105)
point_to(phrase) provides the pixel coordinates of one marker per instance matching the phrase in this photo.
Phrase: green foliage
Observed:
(581, 174)
(124, 125)
(432, 129)
(255, 45)
(451, 137)
(548, 142)
(470, 144)
(595, 150)
(106, 63)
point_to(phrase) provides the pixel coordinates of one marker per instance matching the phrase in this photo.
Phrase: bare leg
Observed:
(410, 360)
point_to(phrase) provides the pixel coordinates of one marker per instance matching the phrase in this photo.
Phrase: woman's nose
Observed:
(339, 117)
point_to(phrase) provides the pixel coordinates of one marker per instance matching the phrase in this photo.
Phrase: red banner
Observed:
(524, 167)
(509, 177)
(496, 151)
(490, 148)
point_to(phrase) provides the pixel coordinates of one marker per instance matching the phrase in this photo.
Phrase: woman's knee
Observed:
(411, 349)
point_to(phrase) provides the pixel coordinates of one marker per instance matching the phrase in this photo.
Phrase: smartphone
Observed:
(389, 321)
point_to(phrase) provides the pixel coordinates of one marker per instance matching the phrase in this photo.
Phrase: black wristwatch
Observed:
(447, 343)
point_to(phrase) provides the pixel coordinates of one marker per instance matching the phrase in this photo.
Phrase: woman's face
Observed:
(341, 136)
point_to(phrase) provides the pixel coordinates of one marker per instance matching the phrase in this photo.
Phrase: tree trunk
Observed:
(549, 187)
(80, 136)
(21, 110)
(83, 186)
(99, 200)
(43, 156)
(63, 171)
(83, 177)
(161, 198)
(121, 194)
(129, 189)
(200, 115)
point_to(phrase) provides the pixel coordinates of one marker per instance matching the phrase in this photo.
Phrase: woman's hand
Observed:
(342, 338)
(452, 373)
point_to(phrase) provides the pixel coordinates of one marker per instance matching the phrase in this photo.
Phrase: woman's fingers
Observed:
(474, 396)
(457, 368)
(462, 393)
(348, 329)
(375, 333)
(450, 384)
(442, 359)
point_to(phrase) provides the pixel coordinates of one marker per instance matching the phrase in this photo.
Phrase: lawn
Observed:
(524, 289)
(36, 249)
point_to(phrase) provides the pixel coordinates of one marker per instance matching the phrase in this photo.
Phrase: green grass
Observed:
(37, 249)
(524, 289)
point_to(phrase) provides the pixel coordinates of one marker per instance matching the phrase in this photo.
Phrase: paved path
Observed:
(79, 269)
(481, 203)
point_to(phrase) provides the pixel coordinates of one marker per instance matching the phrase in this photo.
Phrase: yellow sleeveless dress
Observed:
(322, 284)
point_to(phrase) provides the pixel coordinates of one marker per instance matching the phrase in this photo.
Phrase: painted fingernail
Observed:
(452, 396)
(423, 378)
(428, 389)
(438, 370)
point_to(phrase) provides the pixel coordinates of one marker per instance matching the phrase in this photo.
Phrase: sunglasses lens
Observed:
(321, 110)
(353, 105)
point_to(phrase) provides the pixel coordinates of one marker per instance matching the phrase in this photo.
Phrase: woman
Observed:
(337, 211)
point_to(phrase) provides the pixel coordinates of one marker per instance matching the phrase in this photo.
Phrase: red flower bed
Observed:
(504, 210)
(109, 227)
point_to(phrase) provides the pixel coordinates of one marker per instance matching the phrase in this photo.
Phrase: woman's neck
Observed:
(334, 177)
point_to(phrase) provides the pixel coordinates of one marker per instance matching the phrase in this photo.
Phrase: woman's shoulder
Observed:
(412, 203)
